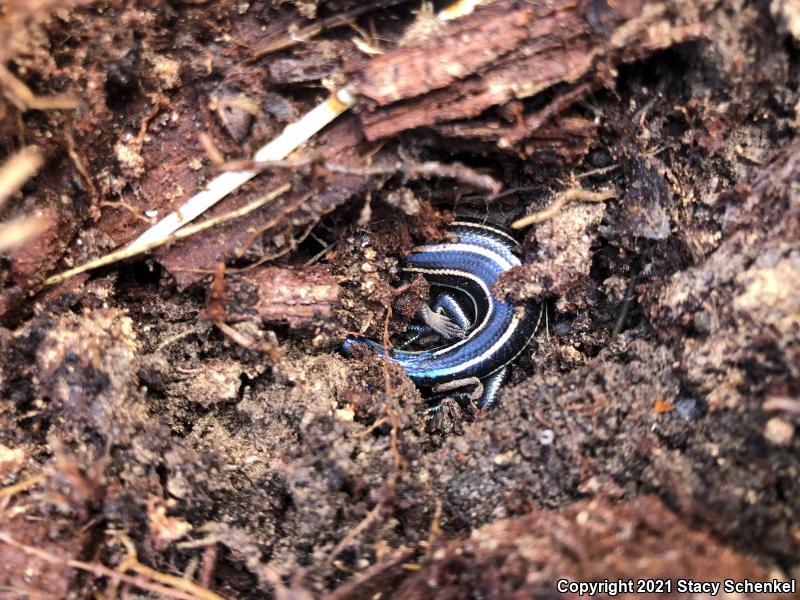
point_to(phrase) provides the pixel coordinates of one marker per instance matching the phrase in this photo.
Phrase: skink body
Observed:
(469, 266)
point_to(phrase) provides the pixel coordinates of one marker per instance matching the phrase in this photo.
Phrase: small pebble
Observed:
(546, 437)
(688, 409)
(778, 431)
(562, 327)
(505, 457)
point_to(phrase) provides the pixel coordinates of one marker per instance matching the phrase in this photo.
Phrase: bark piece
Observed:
(500, 53)
(647, 200)
(284, 71)
(459, 51)
(302, 298)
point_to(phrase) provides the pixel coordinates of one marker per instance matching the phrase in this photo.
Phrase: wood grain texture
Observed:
(510, 51)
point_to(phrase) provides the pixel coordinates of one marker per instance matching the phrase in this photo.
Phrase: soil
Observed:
(182, 425)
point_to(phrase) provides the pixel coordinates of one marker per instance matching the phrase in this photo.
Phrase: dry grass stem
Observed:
(131, 563)
(99, 570)
(782, 404)
(25, 484)
(18, 169)
(289, 140)
(460, 8)
(129, 252)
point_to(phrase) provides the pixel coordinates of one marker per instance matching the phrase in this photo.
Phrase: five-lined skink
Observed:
(468, 267)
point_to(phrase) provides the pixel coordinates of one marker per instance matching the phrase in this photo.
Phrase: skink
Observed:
(499, 332)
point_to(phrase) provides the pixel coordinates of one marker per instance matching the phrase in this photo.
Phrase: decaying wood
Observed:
(472, 44)
(504, 52)
(303, 299)
(498, 56)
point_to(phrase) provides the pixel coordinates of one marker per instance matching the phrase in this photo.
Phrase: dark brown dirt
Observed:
(650, 430)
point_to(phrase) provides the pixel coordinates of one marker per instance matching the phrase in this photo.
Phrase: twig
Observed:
(597, 171)
(18, 169)
(219, 187)
(371, 428)
(268, 165)
(129, 252)
(435, 529)
(542, 420)
(174, 338)
(262, 346)
(216, 295)
(355, 532)
(131, 562)
(76, 160)
(21, 486)
(396, 457)
(427, 169)
(783, 404)
(412, 170)
(207, 566)
(557, 105)
(211, 150)
(574, 194)
(455, 171)
(320, 254)
(205, 542)
(387, 380)
(505, 193)
(24, 99)
(216, 313)
(121, 204)
(98, 570)
(290, 247)
(254, 235)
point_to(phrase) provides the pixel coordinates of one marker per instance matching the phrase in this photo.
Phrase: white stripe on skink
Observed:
(488, 353)
(463, 247)
(494, 230)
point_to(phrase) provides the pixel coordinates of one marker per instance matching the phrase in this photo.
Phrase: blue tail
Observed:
(351, 342)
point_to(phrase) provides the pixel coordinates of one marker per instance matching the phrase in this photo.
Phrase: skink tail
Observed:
(351, 342)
